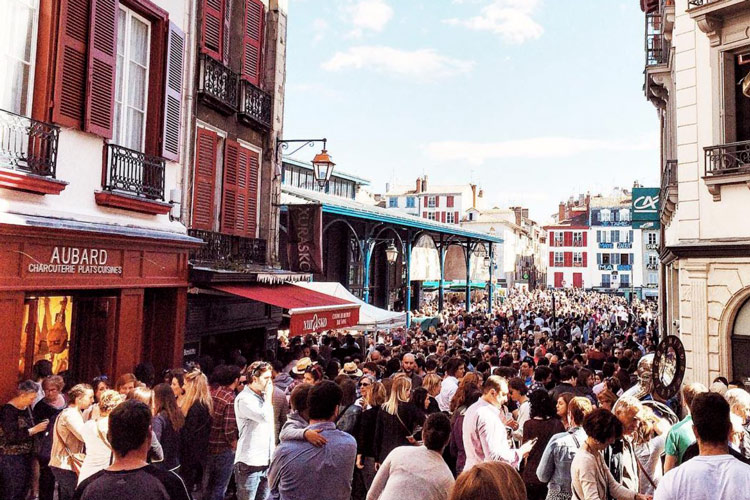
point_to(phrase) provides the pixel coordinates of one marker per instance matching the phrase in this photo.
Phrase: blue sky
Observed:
(535, 100)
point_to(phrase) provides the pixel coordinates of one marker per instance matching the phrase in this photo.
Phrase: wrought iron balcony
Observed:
(726, 164)
(255, 105)
(218, 85)
(227, 251)
(657, 46)
(28, 145)
(134, 173)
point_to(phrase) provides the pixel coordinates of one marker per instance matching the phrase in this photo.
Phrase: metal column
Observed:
(468, 275)
(366, 278)
(441, 284)
(407, 295)
(492, 287)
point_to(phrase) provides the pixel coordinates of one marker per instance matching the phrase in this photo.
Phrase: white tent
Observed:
(370, 317)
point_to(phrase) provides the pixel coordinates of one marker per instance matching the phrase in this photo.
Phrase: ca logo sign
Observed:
(646, 203)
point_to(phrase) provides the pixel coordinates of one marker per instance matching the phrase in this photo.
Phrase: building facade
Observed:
(93, 119)
(436, 203)
(696, 53)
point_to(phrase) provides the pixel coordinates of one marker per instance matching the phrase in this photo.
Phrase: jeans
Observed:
(66, 483)
(218, 472)
(15, 471)
(252, 481)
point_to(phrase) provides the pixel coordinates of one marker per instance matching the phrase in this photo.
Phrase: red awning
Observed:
(310, 311)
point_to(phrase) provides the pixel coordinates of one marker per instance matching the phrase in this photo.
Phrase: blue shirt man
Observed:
(300, 470)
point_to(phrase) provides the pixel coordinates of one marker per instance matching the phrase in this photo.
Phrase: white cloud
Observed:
(320, 27)
(511, 19)
(476, 153)
(421, 64)
(368, 15)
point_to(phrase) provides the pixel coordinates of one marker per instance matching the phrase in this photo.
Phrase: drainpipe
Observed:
(184, 178)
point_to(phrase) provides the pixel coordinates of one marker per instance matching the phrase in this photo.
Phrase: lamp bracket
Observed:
(283, 144)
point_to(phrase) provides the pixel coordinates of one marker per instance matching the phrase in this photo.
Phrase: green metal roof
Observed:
(337, 172)
(348, 207)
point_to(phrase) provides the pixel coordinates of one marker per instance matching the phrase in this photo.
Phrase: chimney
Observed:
(473, 195)
(524, 213)
(387, 187)
(517, 213)
(424, 183)
(588, 199)
(481, 193)
(419, 185)
(561, 212)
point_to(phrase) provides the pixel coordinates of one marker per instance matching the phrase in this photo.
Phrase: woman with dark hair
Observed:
(168, 420)
(313, 374)
(16, 441)
(542, 425)
(176, 380)
(585, 384)
(48, 408)
(349, 412)
(591, 479)
(99, 384)
(562, 407)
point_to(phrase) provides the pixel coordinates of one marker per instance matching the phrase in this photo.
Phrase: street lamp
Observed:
(322, 163)
(391, 253)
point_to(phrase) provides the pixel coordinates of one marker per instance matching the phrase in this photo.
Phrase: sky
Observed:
(534, 100)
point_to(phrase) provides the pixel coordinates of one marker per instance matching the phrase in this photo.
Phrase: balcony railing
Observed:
(256, 105)
(727, 159)
(657, 46)
(218, 84)
(227, 251)
(669, 176)
(28, 145)
(135, 173)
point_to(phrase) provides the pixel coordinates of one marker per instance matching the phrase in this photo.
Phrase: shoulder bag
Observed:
(76, 459)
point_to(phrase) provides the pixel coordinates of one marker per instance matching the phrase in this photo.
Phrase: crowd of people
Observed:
(535, 399)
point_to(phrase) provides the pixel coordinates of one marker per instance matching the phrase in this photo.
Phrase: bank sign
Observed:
(646, 208)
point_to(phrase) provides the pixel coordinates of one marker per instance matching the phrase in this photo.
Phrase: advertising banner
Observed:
(646, 208)
(302, 323)
(305, 246)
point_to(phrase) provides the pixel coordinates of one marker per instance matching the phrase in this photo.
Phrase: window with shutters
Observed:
(252, 41)
(450, 218)
(204, 181)
(559, 259)
(18, 33)
(213, 28)
(431, 202)
(431, 216)
(239, 205)
(131, 82)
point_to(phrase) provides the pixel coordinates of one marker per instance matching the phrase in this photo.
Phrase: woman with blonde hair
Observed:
(98, 449)
(489, 480)
(197, 407)
(432, 382)
(396, 423)
(67, 441)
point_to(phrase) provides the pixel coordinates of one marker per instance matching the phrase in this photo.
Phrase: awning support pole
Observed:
(468, 275)
(366, 278)
(441, 287)
(492, 286)
(407, 295)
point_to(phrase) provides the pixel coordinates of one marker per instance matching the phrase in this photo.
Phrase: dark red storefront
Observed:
(93, 299)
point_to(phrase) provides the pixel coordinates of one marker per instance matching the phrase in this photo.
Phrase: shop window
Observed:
(46, 333)
(18, 32)
(741, 343)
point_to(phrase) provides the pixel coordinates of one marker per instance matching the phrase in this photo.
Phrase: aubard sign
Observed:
(76, 260)
(646, 208)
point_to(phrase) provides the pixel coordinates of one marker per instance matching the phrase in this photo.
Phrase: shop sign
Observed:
(333, 319)
(305, 247)
(75, 260)
(645, 208)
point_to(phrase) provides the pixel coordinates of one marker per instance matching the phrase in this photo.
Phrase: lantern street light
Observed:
(322, 163)
(391, 253)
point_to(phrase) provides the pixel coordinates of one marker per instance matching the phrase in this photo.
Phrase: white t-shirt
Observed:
(714, 477)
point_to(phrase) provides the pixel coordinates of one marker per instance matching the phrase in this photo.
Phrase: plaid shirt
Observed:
(224, 430)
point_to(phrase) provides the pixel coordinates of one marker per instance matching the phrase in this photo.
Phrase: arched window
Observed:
(741, 343)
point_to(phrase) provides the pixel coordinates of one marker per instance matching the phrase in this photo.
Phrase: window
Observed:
(624, 214)
(577, 239)
(431, 216)
(606, 260)
(131, 80)
(615, 235)
(450, 218)
(653, 261)
(18, 30)
(559, 259)
(431, 202)
(605, 215)
(410, 202)
(449, 201)
(606, 280)
(741, 343)
(559, 238)
(577, 259)
(624, 259)
(393, 202)
(624, 280)
(653, 279)
(651, 238)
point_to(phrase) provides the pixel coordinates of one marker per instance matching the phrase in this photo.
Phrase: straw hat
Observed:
(351, 370)
(301, 366)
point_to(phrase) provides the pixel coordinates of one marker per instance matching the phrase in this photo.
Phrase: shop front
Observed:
(93, 299)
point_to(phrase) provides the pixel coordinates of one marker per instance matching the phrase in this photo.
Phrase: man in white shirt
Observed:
(714, 474)
(455, 369)
(485, 432)
(253, 409)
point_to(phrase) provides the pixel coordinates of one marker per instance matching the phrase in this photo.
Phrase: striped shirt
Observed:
(224, 430)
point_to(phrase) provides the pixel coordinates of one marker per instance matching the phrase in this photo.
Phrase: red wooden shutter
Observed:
(585, 260)
(170, 146)
(206, 147)
(229, 188)
(227, 31)
(584, 239)
(212, 28)
(425, 201)
(424, 215)
(252, 197)
(70, 67)
(552, 259)
(455, 217)
(252, 41)
(442, 215)
(437, 201)
(100, 69)
(551, 238)
(568, 239)
(568, 259)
